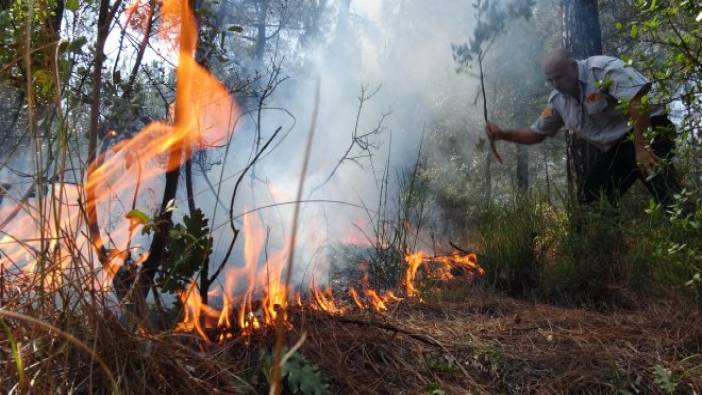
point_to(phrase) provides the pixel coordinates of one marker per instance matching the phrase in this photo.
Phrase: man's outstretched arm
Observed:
(519, 135)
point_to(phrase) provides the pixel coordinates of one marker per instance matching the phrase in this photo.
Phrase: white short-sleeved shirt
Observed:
(605, 82)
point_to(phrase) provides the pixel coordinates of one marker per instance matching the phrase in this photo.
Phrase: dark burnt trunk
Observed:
(205, 265)
(158, 257)
(581, 28)
(189, 184)
(103, 30)
(157, 251)
(583, 38)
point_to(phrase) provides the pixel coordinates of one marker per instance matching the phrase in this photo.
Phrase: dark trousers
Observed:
(616, 170)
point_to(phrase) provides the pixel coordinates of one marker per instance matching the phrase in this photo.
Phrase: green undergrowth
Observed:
(516, 238)
(595, 255)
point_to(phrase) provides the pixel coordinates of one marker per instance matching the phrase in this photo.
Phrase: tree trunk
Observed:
(103, 30)
(488, 179)
(583, 38)
(189, 183)
(311, 22)
(205, 265)
(522, 159)
(581, 28)
(522, 167)
(261, 34)
(141, 49)
(548, 176)
(343, 18)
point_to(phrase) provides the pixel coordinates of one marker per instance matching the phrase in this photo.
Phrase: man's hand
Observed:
(493, 131)
(646, 160)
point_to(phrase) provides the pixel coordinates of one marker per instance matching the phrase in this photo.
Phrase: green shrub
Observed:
(300, 375)
(516, 237)
(589, 257)
(673, 244)
(594, 255)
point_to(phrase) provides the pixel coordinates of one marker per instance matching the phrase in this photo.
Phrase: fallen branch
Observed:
(459, 249)
(426, 339)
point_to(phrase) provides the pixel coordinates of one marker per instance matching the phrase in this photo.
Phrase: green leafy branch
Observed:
(188, 247)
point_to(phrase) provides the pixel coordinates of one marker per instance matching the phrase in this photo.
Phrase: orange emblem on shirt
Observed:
(594, 96)
(547, 113)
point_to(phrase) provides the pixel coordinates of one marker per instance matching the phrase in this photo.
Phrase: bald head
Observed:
(558, 58)
(561, 71)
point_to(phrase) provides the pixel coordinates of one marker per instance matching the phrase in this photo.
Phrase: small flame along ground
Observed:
(242, 315)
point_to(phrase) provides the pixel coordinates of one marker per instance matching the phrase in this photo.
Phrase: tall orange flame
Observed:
(376, 301)
(413, 263)
(324, 301)
(54, 226)
(356, 299)
(194, 312)
(204, 116)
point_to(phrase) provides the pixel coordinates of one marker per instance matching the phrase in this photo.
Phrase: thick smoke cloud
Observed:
(399, 50)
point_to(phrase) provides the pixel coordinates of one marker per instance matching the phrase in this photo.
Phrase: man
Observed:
(599, 98)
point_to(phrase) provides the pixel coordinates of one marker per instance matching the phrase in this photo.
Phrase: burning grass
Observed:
(263, 302)
(68, 335)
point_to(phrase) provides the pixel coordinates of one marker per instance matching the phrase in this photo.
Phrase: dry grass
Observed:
(523, 347)
(508, 345)
(469, 341)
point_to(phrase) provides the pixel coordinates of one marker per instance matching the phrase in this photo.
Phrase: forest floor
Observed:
(461, 338)
(468, 340)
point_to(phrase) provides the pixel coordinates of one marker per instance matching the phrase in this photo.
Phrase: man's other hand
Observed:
(646, 160)
(493, 131)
